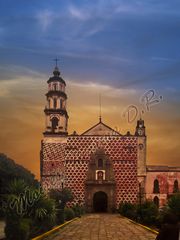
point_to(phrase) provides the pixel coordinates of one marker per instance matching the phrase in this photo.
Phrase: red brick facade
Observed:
(74, 156)
(66, 160)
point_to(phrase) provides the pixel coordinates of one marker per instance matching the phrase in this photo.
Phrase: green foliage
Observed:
(174, 204)
(9, 171)
(78, 210)
(62, 197)
(17, 186)
(60, 216)
(147, 213)
(69, 214)
(162, 212)
(128, 210)
(24, 202)
(19, 229)
(43, 214)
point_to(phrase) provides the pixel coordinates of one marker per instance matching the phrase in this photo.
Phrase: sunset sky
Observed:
(117, 48)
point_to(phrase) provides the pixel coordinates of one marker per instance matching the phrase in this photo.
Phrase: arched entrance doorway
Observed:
(100, 202)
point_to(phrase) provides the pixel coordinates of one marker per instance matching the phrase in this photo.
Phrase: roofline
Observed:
(162, 168)
(84, 133)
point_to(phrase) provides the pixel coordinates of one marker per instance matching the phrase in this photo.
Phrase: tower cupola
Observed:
(140, 128)
(56, 71)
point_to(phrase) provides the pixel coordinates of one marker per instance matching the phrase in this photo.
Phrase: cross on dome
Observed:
(56, 71)
(56, 61)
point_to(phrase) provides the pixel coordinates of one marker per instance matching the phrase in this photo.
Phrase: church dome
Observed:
(56, 77)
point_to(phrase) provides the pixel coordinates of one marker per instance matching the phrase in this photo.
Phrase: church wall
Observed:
(74, 155)
(166, 184)
(76, 173)
(65, 159)
(52, 162)
(126, 181)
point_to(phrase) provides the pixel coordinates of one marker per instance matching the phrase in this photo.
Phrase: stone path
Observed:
(102, 227)
(2, 225)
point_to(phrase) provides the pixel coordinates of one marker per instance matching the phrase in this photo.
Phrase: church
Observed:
(101, 166)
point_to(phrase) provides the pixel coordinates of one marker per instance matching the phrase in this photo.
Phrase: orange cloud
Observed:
(22, 119)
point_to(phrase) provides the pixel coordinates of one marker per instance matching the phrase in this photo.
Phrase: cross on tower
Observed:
(99, 107)
(56, 60)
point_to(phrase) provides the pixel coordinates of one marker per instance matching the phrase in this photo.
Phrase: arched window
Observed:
(156, 186)
(176, 187)
(49, 103)
(54, 121)
(55, 103)
(55, 87)
(156, 201)
(100, 175)
(61, 103)
(100, 163)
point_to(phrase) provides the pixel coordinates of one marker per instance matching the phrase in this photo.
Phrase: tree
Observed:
(9, 170)
(147, 212)
(128, 209)
(62, 197)
(174, 204)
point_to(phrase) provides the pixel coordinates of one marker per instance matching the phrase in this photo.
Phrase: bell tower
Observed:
(55, 109)
(140, 128)
(141, 155)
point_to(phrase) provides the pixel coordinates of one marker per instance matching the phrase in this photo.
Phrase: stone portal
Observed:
(100, 184)
(100, 202)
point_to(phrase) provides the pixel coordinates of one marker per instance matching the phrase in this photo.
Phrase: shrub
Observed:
(60, 216)
(147, 213)
(162, 211)
(174, 204)
(19, 229)
(28, 211)
(62, 197)
(128, 210)
(43, 214)
(69, 214)
(78, 210)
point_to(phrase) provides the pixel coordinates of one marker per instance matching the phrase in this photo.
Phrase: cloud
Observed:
(80, 14)
(26, 102)
(106, 90)
(163, 59)
(12, 72)
(142, 7)
(45, 18)
(117, 48)
(111, 9)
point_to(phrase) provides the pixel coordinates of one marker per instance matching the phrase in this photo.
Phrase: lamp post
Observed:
(140, 194)
(140, 200)
(63, 180)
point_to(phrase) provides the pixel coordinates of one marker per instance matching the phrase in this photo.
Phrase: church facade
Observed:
(101, 166)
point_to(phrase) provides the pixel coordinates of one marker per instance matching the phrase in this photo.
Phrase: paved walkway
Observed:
(102, 227)
(2, 225)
